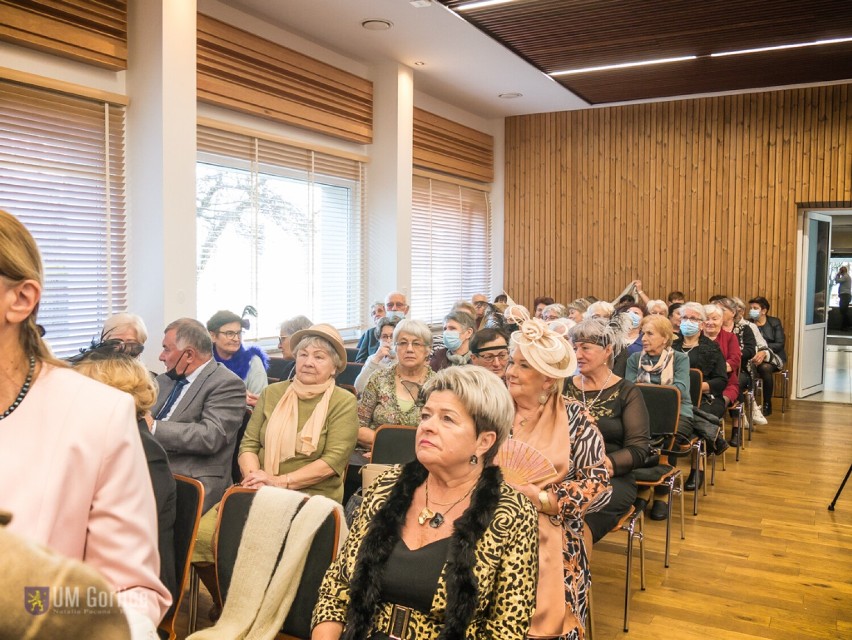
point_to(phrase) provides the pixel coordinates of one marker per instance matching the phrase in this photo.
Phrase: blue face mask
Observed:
(452, 341)
(688, 327)
(754, 314)
(634, 319)
(395, 315)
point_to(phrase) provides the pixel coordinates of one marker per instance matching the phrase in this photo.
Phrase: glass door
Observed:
(813, 324)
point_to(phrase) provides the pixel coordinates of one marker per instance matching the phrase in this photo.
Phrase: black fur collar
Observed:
(385, 531)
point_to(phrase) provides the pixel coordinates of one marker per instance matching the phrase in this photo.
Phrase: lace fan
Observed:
(523, 464)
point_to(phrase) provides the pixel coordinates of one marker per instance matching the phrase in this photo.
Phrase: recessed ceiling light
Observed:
(377, 24)
(510, 95)
(419, 63)
(623, 65)
(420, 4)
(481, 4)
(815, 43)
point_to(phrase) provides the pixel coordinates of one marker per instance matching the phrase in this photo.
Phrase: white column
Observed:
(389, 183)
(161, 121)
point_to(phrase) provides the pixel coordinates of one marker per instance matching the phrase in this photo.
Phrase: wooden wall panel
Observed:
(91, 31)
(449, 147)
(699, 195)
(242, 71)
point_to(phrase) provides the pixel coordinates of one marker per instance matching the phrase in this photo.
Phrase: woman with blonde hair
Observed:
(90, 497)
(565, 435)
(124, 372)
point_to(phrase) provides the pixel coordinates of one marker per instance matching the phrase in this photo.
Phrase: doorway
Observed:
(837, 351)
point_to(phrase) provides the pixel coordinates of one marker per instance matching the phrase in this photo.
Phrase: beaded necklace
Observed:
(589, 405)
(23, 392)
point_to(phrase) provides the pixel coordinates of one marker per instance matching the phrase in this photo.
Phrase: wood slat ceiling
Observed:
(556, 35)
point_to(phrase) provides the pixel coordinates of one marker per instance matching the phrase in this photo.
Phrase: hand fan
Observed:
(523, 464)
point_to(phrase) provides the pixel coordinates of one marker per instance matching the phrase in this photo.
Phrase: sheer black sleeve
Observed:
(637, 433)
(748, 345)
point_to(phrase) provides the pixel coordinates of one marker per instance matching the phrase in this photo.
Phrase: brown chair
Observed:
(350, 388)
(232, 517)
(189, 502)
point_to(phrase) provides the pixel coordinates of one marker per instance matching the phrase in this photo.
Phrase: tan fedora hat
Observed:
(326, 332)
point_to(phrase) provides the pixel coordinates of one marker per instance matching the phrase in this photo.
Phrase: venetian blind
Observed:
(62, 171)
(280, 228)
(450, 246)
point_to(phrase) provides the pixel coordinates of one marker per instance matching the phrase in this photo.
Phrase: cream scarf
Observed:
(283, 424)
(664, 367)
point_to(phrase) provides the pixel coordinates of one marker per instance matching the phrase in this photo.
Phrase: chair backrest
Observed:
(348, 375)
(663, 403)
(351, 353)
(234, 511)
(188, 511)
(350, 388)
(236, 475)
(279, 369)
(696, 381)
(393, 444)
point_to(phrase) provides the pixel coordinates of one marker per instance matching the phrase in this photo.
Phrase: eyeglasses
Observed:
(282, 339)
(230, 335)
(502, 356)
(480, 303)
(405, 344)
(693, 318)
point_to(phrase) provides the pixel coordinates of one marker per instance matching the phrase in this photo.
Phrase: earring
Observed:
(474, 459)
(545, 395)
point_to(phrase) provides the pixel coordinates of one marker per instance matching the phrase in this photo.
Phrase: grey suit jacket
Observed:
(200, 435)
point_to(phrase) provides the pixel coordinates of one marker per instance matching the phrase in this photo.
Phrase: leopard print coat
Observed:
(486, 588)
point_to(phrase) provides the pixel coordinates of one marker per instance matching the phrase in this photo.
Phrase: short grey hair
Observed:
(483, 395)
(464, 305)
(601, 309)
(294, 324)
(559, 309)
(325, 345)
(416, 328)
(125, 321)
(466, 320)
(696, 308)
(713, 308)
(189, 332)
(376, 305)
(653, 304)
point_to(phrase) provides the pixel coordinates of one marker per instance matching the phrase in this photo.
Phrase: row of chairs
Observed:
(664, 410)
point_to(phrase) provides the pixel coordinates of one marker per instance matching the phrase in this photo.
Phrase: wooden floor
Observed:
(763, 559)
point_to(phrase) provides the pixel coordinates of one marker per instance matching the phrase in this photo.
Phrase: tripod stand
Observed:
(840, 490)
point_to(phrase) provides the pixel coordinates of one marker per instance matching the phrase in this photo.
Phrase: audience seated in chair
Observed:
(248, 364)
(384, 356)
(199, 409)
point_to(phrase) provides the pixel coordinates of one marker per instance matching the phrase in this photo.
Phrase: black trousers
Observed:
(601, 522)
(843, 305)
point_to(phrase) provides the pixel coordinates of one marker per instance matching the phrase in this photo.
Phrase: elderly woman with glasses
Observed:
(459, 326)
(490, 349)
(384, 356)
(565, 435)
(247, 363)
(619, 413)
(441, 547)
(391, 394)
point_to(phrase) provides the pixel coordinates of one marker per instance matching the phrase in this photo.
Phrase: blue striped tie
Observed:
(173, 396)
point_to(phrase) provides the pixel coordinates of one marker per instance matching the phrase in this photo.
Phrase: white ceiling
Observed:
(463, 66)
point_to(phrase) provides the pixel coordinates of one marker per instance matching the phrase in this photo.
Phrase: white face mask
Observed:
(395, 315)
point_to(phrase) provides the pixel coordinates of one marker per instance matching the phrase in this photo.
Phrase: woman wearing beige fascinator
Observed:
(567, 478)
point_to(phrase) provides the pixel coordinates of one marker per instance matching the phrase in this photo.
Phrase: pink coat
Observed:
(74, 476)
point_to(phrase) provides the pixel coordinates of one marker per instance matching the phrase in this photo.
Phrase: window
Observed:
(62, 171)
(450, 246)
(280, 229)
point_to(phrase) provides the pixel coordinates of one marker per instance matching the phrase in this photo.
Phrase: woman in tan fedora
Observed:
(301, 432)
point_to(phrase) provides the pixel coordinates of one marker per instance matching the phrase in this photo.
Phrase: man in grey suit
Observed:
(199, 409)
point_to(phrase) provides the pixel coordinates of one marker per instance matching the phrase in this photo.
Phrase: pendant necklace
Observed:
(589, 405)
(23, 392)
(435, 518)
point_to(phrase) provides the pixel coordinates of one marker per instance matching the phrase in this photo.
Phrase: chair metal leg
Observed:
(785, 376)
(670, 483)
(682, 511)
(631, 534)
(193, 599)
(704, 459)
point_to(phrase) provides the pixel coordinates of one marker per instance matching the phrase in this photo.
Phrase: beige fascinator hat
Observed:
(546, 351)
